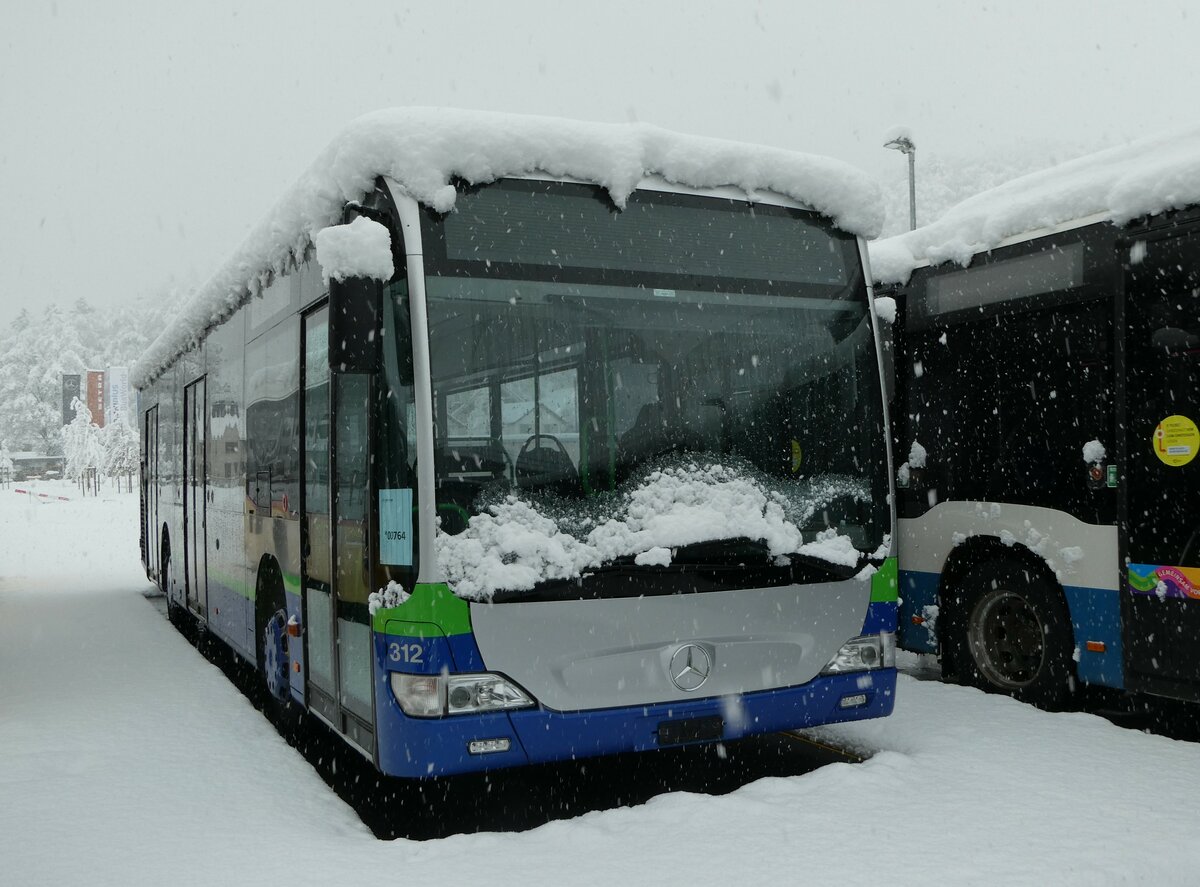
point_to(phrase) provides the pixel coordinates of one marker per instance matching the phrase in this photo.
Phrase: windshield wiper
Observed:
(809, 568)
(738, 551)
(754, 553)
(746, 552)
(723, 564)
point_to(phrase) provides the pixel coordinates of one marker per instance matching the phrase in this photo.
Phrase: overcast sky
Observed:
(140, 141)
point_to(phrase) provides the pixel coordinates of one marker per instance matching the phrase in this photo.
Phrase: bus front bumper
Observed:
(420, 747)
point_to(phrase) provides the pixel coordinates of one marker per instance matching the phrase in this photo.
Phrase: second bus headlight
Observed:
(864, 653)
(483, 692)
(431, 696)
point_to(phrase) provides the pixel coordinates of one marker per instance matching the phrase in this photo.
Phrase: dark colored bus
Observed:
(1046, 408)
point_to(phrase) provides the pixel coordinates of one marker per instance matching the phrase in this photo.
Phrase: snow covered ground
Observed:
(125, 758)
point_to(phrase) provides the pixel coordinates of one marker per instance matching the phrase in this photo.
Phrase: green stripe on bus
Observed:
(291, 583)
(236, 585)
(431, 602)
(885, 587)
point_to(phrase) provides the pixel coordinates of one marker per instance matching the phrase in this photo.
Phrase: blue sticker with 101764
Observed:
(395, 527)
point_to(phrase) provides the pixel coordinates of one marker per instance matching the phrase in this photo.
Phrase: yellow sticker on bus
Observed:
(1176, 440)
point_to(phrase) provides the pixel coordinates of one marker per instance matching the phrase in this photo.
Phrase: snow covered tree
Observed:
(6, 464)
(81, 443)
(22, 321)
(122, 450)
(36, 350)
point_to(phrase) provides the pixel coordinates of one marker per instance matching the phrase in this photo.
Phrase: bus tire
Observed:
(1006, 630)
(270, 607)
(164, 563)
(176, 615)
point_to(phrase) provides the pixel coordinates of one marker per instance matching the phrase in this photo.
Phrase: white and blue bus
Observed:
(590, 456)
(1048, 394)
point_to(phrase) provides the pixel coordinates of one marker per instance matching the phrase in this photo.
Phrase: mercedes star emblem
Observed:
(690, 667)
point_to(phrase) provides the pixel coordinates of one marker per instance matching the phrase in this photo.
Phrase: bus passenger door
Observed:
(336, 542)
(352, 554)
(316, 530)
(195, 496)
(1161, 518)
(150, 522)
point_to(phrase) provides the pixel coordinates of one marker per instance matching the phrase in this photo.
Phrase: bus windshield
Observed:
(687, 386)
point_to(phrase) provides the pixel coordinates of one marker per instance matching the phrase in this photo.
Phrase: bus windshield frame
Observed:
(569, 382)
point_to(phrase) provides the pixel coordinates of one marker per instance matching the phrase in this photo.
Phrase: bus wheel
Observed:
(1008, 632)
(164, 564)
(272, 632)
(175, 613)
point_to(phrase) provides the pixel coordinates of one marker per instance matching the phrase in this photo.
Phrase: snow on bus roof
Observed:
(1147, 176)
(424, 149)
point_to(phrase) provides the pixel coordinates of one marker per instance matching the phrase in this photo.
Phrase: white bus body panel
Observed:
(589, 654)
(1080, 554)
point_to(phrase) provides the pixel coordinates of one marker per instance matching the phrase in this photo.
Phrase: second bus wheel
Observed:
(1007, 631)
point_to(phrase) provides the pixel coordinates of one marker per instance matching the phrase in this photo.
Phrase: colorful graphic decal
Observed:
(1165, 582)
(1176, 440)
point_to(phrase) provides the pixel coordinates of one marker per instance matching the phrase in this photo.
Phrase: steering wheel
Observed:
(537, 464)
(533, 438)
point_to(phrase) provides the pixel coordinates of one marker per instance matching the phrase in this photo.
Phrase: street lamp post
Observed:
(905, 145)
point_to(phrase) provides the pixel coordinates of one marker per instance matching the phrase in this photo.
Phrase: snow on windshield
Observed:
(1147, 176)
(425, 149)
(518, 542)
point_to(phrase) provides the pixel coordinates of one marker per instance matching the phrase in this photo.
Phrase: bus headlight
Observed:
(432, 696)
(419, 695)
(483, 692)
(864, 653)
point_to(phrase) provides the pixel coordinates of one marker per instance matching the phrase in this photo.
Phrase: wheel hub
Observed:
(1007, 639)
(275, 658)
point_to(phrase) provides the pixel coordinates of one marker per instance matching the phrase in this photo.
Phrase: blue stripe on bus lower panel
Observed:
(228, 615)
(1096, 616)
(417, 747)
(918, 590)
(881, 616)
(296, 676)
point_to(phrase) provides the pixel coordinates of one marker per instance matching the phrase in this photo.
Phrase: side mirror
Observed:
(355, 258)
(354, 325)
(885, 307)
